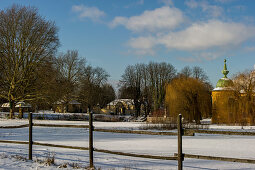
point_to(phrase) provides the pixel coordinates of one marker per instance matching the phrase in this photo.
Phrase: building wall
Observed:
(229, 107)
(61, 108)
(221, 112)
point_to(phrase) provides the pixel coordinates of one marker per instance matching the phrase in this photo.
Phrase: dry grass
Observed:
(163, 126)
(48, 160)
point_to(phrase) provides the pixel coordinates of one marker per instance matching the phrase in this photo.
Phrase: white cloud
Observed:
(88, 12)
(166, 27)
(197, 37)
(212, 10)
(143, 45)
(213, 33)
(142, 42)
(163, 18)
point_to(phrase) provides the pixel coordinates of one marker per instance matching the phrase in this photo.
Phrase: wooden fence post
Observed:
(30, 135)
(91, 149)
(180, 133)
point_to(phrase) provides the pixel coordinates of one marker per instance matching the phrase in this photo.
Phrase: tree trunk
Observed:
(20, 113)
(11, 109)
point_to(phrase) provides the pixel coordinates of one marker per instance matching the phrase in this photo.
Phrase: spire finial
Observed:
(225, 70)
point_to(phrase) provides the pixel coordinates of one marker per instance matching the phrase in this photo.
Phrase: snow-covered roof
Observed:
(126, 101)
(74, 102)
(22, 104)
(5, 105)
(19, 104)
(223, 88)
(242, 91)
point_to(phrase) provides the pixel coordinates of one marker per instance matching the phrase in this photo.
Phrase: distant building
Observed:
(121, 106)
(72, 107)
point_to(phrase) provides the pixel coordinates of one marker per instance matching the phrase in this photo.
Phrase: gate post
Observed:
(91, 149)
(30, 135)
(180, 133)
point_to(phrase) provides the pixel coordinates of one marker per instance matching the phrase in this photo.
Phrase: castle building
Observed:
(230, 104)
(222, 95)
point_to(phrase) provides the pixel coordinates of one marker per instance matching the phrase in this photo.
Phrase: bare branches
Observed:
(146, 84)
(195, 72)
(26, 41)
(243, 103)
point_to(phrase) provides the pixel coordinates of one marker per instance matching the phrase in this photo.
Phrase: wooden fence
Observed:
(177, 156)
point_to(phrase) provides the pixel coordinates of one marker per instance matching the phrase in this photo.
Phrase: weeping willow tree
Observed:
(189, 96)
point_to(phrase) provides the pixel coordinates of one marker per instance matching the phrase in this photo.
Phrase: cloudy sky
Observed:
(115, 33)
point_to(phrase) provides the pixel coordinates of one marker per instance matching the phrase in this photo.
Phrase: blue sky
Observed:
(115, 33)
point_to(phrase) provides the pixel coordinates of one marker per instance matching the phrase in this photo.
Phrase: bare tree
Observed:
(91, 86)
(160, 74)
(145, 84)
(198, 73)
(26, 41)
(195, 72)
(186, 72)
(244, 84)
(70, 70)
(132, 80)
(47, 86)
(106, 95)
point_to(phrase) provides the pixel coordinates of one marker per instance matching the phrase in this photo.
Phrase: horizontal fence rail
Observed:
(68, 126)
(96, 129)
(216, 158)
(187, 132)
(14, 142)
(13, 127)
(138, 155)
(223, 132)
(135, 132)
(95, 149)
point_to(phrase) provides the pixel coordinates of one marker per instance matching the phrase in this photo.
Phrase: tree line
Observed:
(32, 70)
(156, 86)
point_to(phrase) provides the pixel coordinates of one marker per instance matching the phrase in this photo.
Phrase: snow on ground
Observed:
(105, 125)
(107, 161)
(211, 145)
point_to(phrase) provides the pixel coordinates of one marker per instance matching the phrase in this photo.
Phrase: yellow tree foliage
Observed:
(190, 97)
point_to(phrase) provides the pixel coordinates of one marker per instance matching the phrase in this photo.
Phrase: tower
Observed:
(222, 99)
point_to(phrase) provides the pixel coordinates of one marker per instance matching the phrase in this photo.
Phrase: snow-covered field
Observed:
(211, 145)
